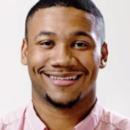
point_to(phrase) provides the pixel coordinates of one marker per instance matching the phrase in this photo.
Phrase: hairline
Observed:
(98, 21)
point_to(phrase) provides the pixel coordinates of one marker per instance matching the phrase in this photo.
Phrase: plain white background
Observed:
(113, 86)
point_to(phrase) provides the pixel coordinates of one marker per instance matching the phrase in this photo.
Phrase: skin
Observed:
(63, 42)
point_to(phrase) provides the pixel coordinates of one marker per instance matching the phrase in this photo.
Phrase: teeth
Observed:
(61, 78)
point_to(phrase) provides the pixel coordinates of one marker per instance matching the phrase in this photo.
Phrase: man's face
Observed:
(63, 54)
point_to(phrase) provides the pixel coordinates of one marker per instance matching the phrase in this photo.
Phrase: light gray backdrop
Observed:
(113, 86)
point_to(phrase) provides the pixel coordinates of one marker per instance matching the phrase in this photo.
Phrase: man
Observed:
(64, 47)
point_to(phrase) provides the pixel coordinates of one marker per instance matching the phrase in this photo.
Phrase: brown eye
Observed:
(80, 45)
(47, 44)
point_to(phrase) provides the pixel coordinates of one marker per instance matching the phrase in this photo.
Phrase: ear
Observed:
(104, 55)
(24, 52)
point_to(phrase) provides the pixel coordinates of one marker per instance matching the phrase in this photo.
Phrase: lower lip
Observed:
(63, 83)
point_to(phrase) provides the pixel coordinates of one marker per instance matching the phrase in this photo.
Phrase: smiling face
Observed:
(63, 55)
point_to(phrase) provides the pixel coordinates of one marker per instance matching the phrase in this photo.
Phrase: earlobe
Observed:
(103, 64)
(104, 56)
(24, 52)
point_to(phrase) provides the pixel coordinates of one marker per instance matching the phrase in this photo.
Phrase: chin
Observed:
(62, 104)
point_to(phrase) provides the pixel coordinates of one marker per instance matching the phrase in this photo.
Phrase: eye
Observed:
(47, 44)
(80, 45)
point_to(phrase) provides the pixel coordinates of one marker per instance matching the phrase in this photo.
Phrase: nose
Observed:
(63, 57)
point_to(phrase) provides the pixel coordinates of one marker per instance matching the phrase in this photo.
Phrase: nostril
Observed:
(60, 61)
(63, 58)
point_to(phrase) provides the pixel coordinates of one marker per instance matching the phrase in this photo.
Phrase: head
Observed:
(86, 5)
(64, 47)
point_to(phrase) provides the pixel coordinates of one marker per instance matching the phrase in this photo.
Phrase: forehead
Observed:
(60, 20)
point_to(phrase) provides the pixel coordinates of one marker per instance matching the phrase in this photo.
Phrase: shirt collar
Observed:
(90, 122)
(33, 119)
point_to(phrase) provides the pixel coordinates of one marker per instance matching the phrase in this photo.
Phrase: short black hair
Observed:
(86, 5)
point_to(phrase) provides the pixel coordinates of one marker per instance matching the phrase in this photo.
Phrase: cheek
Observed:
(37, 58)
(89, 60)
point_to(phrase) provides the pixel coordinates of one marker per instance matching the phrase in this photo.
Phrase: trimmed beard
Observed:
(61, 105)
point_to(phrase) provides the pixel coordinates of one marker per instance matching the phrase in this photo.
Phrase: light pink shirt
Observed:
(98, 119)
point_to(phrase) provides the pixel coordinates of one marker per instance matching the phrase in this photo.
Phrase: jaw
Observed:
(62, 87)
(66, 109)
(63, 97)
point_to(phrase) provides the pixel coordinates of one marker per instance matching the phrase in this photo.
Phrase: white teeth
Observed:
(61, 78)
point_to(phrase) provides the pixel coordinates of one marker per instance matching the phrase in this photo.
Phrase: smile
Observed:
(63, 80)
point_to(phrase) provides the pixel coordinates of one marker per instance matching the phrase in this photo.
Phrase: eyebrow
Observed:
(82, 33)
(76, 33)
(45, 33)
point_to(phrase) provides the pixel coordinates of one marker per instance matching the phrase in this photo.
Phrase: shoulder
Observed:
(15, 117)
(115, 120)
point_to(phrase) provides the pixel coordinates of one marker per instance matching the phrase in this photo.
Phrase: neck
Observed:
(68, 117)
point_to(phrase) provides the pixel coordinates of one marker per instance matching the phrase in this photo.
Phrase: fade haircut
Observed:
(86, 5)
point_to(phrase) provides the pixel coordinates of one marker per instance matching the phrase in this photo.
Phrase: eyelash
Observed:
(49, 44)
(83, 45)
(45, 43)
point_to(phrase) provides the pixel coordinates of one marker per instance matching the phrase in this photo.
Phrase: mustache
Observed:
(59, 69)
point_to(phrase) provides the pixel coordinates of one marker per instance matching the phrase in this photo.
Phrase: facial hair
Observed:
(61, 105)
